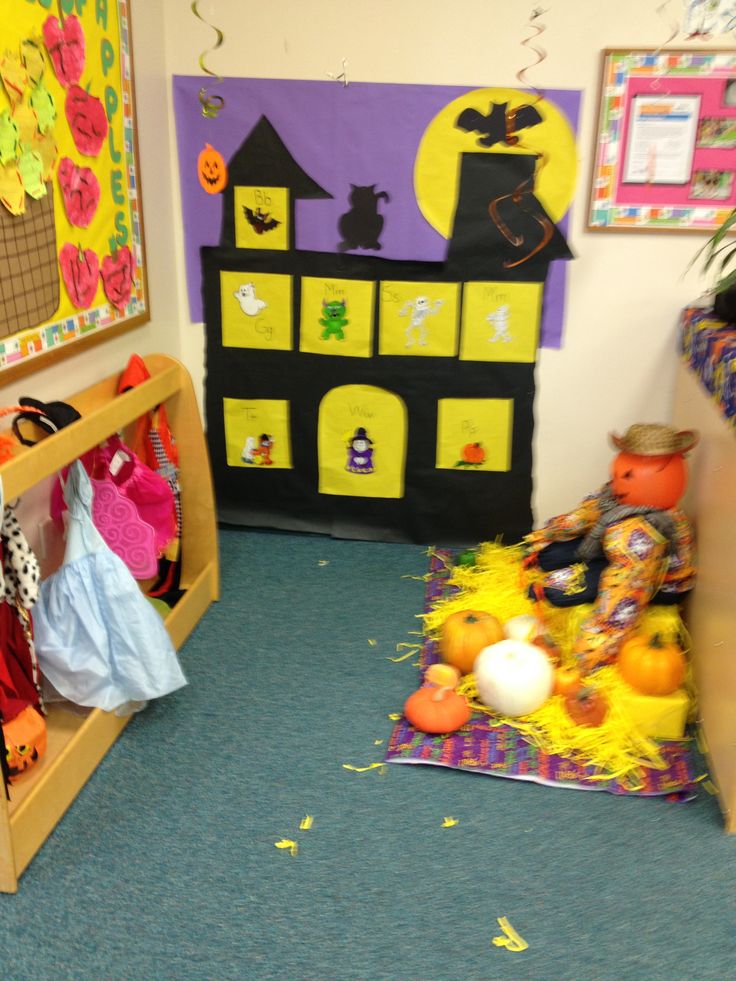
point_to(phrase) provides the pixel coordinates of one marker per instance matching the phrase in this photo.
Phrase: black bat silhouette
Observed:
(500, 125)
(259, 221)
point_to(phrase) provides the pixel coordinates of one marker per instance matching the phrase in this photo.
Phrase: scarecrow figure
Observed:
(623, 547)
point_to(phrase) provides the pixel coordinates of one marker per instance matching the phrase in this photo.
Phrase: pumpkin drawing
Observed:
(473, 453)
(465, 634)
(437, 710)
(651, 665)
(211, 170)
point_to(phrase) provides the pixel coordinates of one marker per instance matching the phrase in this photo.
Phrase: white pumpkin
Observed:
(524, 627)
(513, 677)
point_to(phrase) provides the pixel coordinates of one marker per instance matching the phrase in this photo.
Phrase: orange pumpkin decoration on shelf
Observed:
(652, 665)
(437, 710)
(211, 170)
(465, 634)
(25, 741)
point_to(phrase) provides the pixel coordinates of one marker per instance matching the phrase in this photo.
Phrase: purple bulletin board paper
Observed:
(363, 133)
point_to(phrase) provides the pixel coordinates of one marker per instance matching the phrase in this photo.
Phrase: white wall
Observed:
(625, 291)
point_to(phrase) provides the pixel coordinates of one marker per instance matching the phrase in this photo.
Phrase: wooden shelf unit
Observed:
(711, 611)
(77, 743)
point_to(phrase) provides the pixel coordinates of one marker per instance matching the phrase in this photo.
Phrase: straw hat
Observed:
(654, 439)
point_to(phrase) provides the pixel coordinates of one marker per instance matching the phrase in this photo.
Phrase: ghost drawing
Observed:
(249, 302)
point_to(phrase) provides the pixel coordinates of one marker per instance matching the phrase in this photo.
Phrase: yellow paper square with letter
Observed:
(474, 434)
(256, 310)
(501, 322)
(337, 317)
(419, 319)
(257, 433)
(362, 442)
(262, 218)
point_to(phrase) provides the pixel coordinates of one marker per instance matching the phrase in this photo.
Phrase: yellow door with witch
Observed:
(362, 432)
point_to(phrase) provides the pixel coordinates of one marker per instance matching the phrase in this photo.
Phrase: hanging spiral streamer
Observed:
(522, 195)
(674, 28)
(211, 104)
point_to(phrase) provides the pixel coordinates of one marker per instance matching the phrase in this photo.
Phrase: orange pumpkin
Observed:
(473, 453)
(25, 741)
(211, 170)
(586, 706)
(567, 680)
(651, 481)
(442, 675)
(465, 634)
(437, 710)
(651, 665)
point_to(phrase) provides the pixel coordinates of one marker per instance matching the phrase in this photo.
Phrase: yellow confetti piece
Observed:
(287, 844)
(372, 642)
(323, 562)
(414, 649)
(378, 742)
(363, 769)
(395, 716)
(710, 787)
(450, 822)
(511, 939)
(306, 822)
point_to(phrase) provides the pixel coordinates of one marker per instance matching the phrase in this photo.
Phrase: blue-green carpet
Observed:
(165, 866)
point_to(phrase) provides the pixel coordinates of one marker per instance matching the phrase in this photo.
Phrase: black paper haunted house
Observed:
(369, 398)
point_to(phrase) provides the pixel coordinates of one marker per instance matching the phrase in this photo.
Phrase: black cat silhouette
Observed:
(361, 227)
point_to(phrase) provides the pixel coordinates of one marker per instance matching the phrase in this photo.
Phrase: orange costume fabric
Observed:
(641, 562)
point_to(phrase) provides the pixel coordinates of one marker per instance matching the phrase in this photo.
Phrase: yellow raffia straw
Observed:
(378, 742)
(306, 822)
(288, 844)
(363, 769)
(372, 642)
(511, 940)
(395, 716)
(449, 822)
(413, 650)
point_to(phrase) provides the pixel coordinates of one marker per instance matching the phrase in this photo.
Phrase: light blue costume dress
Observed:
(98, 639)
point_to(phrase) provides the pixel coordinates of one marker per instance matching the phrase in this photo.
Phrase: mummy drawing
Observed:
(500, 321)
(420, 308)
(251, 306)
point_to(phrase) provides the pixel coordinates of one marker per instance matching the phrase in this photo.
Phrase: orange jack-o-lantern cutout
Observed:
(25, 741)
(211, 170)
(649, 481)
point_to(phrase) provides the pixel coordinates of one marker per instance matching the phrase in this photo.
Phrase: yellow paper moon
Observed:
(437, 164)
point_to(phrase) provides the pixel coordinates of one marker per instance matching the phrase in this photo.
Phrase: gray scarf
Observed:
(611, 512)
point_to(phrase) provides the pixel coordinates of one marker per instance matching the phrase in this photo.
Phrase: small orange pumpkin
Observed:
(211, 170)
(651, 665)
(473, 453)
(442, 675)
(465, 634)
(586, 706)
(25, 741)
(567, 679)
(437, 710)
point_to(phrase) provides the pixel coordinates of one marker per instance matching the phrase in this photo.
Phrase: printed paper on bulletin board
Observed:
(72, 264)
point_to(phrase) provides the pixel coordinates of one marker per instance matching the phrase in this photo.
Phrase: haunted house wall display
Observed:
(371, 397)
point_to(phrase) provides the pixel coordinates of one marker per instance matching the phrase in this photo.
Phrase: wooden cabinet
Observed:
(76, 744)
(711, 608)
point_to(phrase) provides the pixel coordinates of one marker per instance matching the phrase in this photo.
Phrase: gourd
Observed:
(586, 706)
(437, 710)
(651, 665)
(442, 675)
(465, 634)
(513, 678)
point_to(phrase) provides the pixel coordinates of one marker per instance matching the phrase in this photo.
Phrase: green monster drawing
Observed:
(333, 319)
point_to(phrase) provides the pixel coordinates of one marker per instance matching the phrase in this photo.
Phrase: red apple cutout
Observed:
(87, 120)
(80, 270)
(65, 46)
(117, 277)
(81, 192)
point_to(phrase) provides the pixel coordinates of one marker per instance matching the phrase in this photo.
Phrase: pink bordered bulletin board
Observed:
(665, 153)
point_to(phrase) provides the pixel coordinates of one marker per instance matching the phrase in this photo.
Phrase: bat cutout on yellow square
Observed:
(261, 217)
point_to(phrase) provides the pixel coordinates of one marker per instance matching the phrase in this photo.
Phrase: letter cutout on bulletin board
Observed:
(396, 392)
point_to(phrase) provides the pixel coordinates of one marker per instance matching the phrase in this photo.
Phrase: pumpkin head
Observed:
(25, 741)
(437, 710)
(586, 706)
(651, 481)
(651, 665)
(211, 170)
(465, 634)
